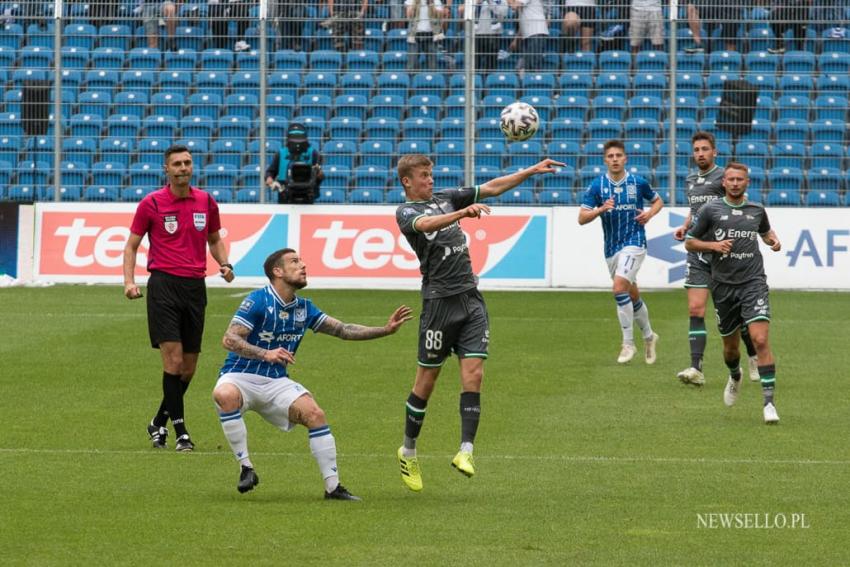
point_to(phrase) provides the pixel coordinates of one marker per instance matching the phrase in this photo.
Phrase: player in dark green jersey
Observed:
(728, 228)
(704, 184)
(454, 316)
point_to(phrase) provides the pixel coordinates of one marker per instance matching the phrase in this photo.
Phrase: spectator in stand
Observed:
(615, 12)
(789, 15)
(103, 12)
(534, 31)
(153, 11)
(349, 22)
(715, 16)
(424, 34)
(221, 14)
(488, 32)
(579, 20)
(646, 21)
(291, 15)
(830, 16)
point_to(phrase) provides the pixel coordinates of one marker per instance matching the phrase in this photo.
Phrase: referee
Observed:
(179, 220)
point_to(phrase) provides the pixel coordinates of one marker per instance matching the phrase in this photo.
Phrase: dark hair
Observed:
(613, 144)
(407, 163)
(703, 135)
(739, 166)
(176, 149)
(272, 261)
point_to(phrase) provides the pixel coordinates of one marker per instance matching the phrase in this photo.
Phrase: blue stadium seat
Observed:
(182, 59)
(11, 35)
(282, 82)
(653, 84)
(830, 107)
(590, 172)
(569, 106)
(393, 84)
(325, 60)
(651, 61)
(330, 195)
(760, 38)
(101, 79)
(454, 106)
(227, 152)
(386, 106)
(447, 176)
(725, 62)
(825, 198)
(167, 104)
(690, 62)
(320, 83)
(276, 127)
(488, 129)
(715, 82)
(796, 84)
(604, 129)
(203, 104)
(371, 177)
(798, 62)
(133, 194)
(199, 148)
(22, 193)
(567, 129)
(641, 130)
(248, 82)
(689, 85)
(614, 61)
(95, 102)
(79, 150)
(73, 173)
(366, 195)
(503, 84)
(75, 57)
(336, 178)
(556, 197)
(834, 63)
(833, 84)
(345, 128)
(114, 36)
(86, 125)
(414, 147)
(136, 81)
(792, 130)
(759, 131)
(280, 106)
(564, 151)
(608, 107)
(373, 39)
(394, 60)
(21, 76)
(247, 61)
(825, 179)
(244, 105)
(175, 82)
(429, 84)
(457, 84)
(289, 60)
(828, 131)
(836, 42)
(249, 176)
(10, 147)
(562, 180)
(361, 60)
(613, 84)
(101, 193)
(377, 153)
(524, 154)
(517, 197)
(483, 174)
(235, 127)
(152, 150)
(793, 106)
(140, 58)
(449, 153)
(424, 106)
(108, 173)
(541, 104)
(357, 83)
(33, 57)
(396, 196)
(130, 103)
(379, 128)
(754, 154)
(222, 195)
(188, 37)
(216, 60)
(489, 154)
(220, 175)
(108, 58)
(339, 152)
(67, 193)
(315, 105)
(538, 84)
(248, 195)
(576, 84)
(783, 198)
(640, 153)
(39, 149)
(421, 129)
(117, 150)
(785, 179)
(825, 155)
(198, 127)
(579, 62)
(157, 126)
(145, 175)
(492, 105)
(7, 57)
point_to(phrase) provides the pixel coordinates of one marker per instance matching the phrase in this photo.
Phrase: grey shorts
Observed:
(646, 24)
(740, 305)
(458, 323)
(697, 270)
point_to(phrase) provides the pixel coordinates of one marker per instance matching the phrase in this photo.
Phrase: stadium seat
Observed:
(227, 152)
(248, 82)
(454, 106)
(130, 103)
(361, 60)
(414, 147)
(175, 82)
(828, 131)
(564, 151)
(608, 107)
(725, 62)
(825, 198)
(336, 177)
(376, 153)
(387, 106)
(75, 57)
(371, 177)
(825, 179)
(830, 107)
(573, 107)
(613, 84)
(542, 104)
(457, 84)
(538, 84)
(715, 82)
(133, 194)
(759, 131)
(424, 106)
(447, 176)
(763, 82)
(167, 104)
(579, 62)
(276, 127)
(339, 152)
(483, 174)
(796, 85)
(640, 153)
(67, 193)
(86, 125)
(11, 35)
(783, 198)
(250, 175)
(502, 84)
(614, 61)
(188, 37)
(788, 154)
(380, 128)
(99, 193)
(556, 197)
(393, 84)
(429, 84)
(117, 150)
(517, 196)
(163, 127)
(604, 129)
(493, 105)
(197, 127)
(396, 196)
(21, 76)
(222, 195)
(182, 59)
(785, 179)
(140, 58)
(834, 63)
(152, 150)
(798, 62)
(217, 60)
(647, 107)
(524, 154)
(108, 58)
(449, 153)
(330, 195)
(576, 84)
(72, 173)
(325, 60)
(421, 129)
(394, 60)
(235, 127)
(140, 82)
(145, 175)
(242, 105)
(567, 129)
(689, 85)
(653, 84)
(366, 195)
(489, 154)
(248, 195)
(22, 193)
(590, 172)
(108, 173)
(825, 155)
(642, 130)
(79, 150)
(315, 127)
(247, 61)
(282, 82)
(33, 57)
(833, 84)
(357, 83)
(280, 106)
(651, 61)
(562, 180)
(793, 106)
(487, 129)
(344, 128)
(220, 175)
(95, 102)
(114, 36)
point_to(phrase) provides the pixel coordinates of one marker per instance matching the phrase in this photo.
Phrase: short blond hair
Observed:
(739, 166)
(409, 162)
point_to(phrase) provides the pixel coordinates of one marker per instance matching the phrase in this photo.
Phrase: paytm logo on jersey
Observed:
(668, 249)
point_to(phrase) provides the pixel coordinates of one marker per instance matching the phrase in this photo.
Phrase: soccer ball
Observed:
(519, 121)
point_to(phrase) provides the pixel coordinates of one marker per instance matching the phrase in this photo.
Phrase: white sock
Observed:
(642, 318)
(323, 447)
(236, 434)
(466, 447)
(626, 315)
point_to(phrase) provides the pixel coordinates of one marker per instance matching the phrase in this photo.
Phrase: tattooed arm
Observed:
(235, 341)
(355, 332)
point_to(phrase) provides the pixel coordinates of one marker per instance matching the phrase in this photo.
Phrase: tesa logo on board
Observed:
(92, 243)
(354, 245)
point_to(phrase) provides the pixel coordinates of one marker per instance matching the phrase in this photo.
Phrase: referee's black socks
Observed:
(172, 392)
(161, 417)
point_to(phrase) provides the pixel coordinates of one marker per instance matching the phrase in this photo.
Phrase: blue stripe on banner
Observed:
(320, 431)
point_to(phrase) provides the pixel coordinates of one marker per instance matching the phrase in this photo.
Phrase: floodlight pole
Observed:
(264, 8)
(671, 135)
(469, 93)
(57, 102)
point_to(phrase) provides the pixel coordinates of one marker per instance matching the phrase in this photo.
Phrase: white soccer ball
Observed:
(519, 121)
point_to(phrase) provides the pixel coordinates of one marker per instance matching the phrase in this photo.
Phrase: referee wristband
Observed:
(227, 266)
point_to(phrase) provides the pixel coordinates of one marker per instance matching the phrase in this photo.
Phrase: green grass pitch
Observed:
(579, 460)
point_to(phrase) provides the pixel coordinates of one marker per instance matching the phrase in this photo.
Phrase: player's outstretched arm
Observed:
(236, 341)
(497, 186)
(432, 223)
(355, 332)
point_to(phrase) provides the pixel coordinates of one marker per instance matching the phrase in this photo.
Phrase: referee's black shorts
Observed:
(176, 308)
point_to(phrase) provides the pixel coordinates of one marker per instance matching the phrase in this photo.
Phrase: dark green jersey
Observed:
(443, 255)
(744, 223)
(703, 188)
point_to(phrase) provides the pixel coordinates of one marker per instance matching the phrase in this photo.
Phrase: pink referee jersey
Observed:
(177, 229)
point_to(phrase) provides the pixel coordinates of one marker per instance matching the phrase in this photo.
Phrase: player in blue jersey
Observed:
(262, 339)
(617, 198)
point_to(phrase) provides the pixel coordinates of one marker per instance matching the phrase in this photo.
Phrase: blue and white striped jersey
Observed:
(618, 225)
(273, 324)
